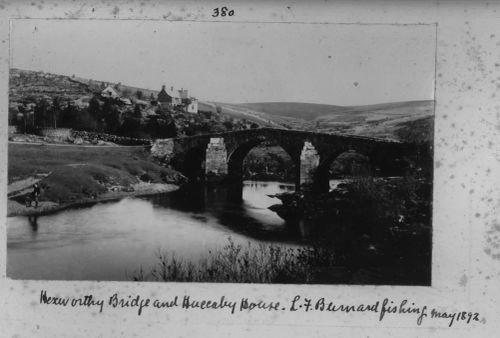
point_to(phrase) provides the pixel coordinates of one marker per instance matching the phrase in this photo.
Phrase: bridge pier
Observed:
(216, 160)
(309, 162)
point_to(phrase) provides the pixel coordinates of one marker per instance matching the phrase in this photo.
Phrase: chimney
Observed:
(172, 88)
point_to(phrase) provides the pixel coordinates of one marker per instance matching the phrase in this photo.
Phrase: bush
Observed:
(371, 223)
(244, 264)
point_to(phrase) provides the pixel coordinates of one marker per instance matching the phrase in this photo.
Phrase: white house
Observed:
(192, 107)
(110, 92)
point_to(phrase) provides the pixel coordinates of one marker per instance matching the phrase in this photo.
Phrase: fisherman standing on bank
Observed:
(36, 194)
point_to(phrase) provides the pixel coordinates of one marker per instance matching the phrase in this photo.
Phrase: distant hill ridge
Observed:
(410, 121)
(311, 111)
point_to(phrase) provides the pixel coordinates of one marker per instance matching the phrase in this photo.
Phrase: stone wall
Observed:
(95, 138)
(59, 133)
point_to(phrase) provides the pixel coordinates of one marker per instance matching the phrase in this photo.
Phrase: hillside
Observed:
(239, 112)
(408, 121)
(28, 85)
(39, 100)
(298, 110)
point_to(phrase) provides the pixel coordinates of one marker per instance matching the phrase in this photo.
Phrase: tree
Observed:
(94, 108)
(69, 117)
(170, 130)
(139, 94)
(153, 126)
(13, 111)
(131, 127)
(112, 120)
(228, 125)
(84, 121)
(42, 116)
(137, 112)
(55, 111)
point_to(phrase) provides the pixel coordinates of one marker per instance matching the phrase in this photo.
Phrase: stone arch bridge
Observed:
(220, 156)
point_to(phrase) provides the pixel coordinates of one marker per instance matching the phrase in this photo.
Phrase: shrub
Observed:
(244, 264)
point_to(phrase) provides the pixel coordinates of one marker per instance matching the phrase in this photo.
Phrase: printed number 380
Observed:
(222, 11)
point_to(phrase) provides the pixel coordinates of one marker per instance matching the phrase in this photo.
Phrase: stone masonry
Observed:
(163, 149)
(309, 162)
(216, 158)
(221, 155)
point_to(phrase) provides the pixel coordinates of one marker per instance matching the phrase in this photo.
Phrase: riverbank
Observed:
(383, 224)
(73, 176)
(47, 207)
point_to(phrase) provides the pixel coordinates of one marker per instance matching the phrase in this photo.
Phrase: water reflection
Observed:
(240, 208)
(33, 221)
(104, 241)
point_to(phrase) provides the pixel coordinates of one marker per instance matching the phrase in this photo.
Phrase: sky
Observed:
(339, 64)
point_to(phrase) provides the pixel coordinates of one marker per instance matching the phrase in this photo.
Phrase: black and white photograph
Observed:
(220, 152)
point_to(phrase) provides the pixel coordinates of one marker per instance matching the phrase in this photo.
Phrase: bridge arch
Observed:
(351, 162)
(193, 164)
(237, 156)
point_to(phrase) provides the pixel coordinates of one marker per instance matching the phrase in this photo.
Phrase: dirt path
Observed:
(25, 185)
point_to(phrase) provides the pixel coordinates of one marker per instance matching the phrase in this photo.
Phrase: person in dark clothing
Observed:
(35, 194)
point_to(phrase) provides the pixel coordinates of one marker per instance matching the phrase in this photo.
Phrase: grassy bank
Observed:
(236, 263)
(75, 174)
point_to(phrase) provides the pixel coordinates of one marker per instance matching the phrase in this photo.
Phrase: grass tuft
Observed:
(236, 263)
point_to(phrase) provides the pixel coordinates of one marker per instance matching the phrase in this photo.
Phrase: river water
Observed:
(109, 241)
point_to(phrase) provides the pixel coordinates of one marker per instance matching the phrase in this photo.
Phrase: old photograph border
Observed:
(457, 285)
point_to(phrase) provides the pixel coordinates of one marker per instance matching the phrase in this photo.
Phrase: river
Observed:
(110, 241)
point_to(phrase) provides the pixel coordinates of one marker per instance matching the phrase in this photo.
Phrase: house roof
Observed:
(169, 92)
(109, 90)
